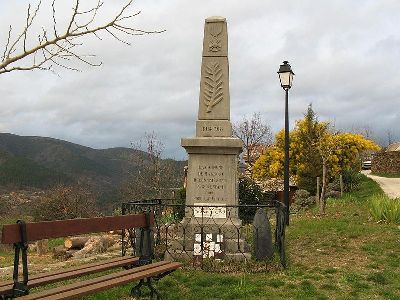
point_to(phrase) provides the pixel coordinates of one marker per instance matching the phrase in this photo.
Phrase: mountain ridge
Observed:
(102, 169)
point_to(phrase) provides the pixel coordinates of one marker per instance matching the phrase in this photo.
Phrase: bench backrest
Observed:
(54, 229)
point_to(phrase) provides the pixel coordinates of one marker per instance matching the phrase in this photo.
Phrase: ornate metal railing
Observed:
(207, 235)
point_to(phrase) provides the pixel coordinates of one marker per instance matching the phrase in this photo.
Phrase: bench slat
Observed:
(79, 289)
(64, 274)
(62, 228)
(74, 268)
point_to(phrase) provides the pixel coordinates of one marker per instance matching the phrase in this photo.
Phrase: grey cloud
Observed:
(345, 55)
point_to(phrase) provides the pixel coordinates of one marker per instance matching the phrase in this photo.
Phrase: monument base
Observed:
(196, 238)
(180, 255)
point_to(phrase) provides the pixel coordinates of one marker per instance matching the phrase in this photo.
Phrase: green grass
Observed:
(383, 208)
(344, 254)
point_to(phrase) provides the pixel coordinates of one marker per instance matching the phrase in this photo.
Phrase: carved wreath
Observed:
(213, 86)
(215, 42)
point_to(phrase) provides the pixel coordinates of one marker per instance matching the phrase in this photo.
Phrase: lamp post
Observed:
(286, 78)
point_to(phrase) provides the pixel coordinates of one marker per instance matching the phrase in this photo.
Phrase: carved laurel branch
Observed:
(213, 85)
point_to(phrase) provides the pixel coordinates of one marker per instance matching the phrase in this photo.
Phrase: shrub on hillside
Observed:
(351, 180)
(332, 194)
(66, 202)
(303, 199)
(3, 207)
(22, 172)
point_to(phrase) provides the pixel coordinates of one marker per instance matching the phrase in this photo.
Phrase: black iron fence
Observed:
(211, 235)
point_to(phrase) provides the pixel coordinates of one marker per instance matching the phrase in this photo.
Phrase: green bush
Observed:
(179, 211)
(382, 208)
(351, 180)
(302, 199)
(249, 194)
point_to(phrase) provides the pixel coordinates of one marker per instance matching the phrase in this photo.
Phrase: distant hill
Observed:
(32, 161)
(23, 172)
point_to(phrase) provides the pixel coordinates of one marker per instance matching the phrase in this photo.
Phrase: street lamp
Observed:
(286, 78)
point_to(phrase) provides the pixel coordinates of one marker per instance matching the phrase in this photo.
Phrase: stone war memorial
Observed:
(208, 226)
(211, 218)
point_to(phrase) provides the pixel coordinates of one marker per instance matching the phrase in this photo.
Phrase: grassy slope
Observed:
(343, 255)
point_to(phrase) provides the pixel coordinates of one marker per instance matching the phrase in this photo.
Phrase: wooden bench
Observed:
(140, 268)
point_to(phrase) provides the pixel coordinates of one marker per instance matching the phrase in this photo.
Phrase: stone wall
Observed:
(386, 163)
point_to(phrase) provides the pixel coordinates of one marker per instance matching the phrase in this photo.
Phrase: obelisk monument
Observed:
(211, 224)
(213, 153)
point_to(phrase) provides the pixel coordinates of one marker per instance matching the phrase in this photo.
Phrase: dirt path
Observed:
(391, 186)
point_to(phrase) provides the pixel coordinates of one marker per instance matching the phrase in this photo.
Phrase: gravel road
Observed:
(391, 186)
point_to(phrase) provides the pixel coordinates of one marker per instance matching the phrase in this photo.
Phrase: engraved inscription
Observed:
(211, 181)
(204, 210)
(212, 129)
(213, 85)
(215, 31)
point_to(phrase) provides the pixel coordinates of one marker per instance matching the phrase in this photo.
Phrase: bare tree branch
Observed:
(7, 44)
(29, 21)
(254, 134)
(60, 46)
(54, 18)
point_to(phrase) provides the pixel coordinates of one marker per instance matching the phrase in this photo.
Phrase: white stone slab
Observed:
(196, 249)
(197, 237)
(220, 238)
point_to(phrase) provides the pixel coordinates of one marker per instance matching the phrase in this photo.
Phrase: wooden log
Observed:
(59, 252)
(96, 244)
(77, 242)
(70, 253)
(115, 232)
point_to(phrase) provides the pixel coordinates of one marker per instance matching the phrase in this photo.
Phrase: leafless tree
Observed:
(254, 134)
(58, 47)
(365, 130)
(389, 137)
(155, 177)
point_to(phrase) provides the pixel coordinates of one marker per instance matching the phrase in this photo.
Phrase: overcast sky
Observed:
(345, 54)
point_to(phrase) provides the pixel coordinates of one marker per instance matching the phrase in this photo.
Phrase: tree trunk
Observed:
(341, 185)
(77, 242)
(322, 200)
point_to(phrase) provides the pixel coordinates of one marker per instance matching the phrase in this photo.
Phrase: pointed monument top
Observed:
(214, 102)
